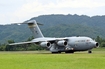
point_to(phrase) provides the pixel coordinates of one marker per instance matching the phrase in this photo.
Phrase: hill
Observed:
(57, 26)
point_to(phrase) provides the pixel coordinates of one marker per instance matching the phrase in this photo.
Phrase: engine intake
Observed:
(45, 44)
(62, 43)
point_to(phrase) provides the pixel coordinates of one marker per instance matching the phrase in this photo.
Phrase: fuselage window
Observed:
(88, 40)
(81, 41)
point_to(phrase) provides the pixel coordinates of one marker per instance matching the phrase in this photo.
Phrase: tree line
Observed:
(33, 47)
(101, 41)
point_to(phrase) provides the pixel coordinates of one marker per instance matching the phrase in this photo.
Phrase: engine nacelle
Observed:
(45, 44)
(62, 43)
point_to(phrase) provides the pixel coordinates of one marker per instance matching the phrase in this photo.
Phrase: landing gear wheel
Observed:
(89, 51)
(69, 52)
(59, 52)
(56, 52)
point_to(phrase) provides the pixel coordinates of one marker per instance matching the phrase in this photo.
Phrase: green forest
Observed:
(58, 25)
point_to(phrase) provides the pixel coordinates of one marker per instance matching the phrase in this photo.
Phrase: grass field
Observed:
(46, 60)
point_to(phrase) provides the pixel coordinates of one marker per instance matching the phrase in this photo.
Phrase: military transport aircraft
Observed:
(58, 45)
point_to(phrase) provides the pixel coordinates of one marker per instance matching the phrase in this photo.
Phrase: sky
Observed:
(14, 11)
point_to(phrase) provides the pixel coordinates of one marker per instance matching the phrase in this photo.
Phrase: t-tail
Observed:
(35, 29)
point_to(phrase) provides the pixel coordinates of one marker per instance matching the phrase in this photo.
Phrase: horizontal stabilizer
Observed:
(28, 22)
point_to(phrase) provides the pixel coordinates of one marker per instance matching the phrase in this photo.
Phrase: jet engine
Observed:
(62, 43)
(45, 44)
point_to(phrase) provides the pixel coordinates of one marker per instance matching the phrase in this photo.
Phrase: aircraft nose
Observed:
(97, 45)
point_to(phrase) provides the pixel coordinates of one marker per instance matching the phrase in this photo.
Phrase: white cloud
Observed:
(84, 4)
(21, 10)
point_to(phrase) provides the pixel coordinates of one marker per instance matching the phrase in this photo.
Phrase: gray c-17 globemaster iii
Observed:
(58, 45)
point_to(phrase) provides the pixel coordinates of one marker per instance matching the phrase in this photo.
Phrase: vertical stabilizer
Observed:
(35, 29)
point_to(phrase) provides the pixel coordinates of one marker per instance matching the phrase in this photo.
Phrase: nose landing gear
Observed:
(89, 51)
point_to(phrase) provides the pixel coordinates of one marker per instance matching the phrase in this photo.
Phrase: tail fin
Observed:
(35, 29)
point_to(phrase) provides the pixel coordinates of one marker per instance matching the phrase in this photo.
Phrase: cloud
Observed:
(81, 3)
(22, 10)
(37, 8)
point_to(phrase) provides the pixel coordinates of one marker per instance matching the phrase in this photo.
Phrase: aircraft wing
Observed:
(19, 43)
(39, 40)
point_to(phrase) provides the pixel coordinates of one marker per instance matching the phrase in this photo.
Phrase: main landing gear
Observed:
(56, 52)
(69, 52)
